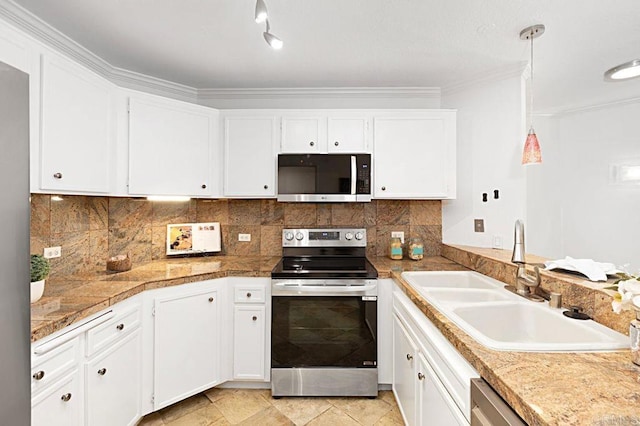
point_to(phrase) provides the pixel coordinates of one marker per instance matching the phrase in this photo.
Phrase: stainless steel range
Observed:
(324, 315)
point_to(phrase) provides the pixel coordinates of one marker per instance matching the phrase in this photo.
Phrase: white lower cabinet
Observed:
(113, 383)
(431, 380)
(249, 342)
(187, 344)
(60, 404)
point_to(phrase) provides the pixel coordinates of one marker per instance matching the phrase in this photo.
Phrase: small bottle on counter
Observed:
(415, 249)
(395, 249)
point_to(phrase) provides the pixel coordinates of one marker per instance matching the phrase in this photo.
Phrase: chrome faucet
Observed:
(524, 283)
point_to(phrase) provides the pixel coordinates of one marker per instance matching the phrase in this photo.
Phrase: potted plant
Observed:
(39, 271)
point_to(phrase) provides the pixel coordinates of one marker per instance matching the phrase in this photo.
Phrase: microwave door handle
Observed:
(354, 170)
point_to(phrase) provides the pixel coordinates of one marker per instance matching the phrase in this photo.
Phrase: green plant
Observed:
(39, 267)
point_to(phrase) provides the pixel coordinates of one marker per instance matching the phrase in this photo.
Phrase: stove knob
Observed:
(288, 236)
(359, 235)
(348, 236)
(299, 236)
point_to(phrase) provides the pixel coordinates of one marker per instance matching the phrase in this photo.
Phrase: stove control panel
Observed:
(334, 237)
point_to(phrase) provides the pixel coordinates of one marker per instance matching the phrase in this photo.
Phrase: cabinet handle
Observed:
(311, 143)
(120, 327)
(66, 397)
(420, 376)
(248, 295)
(409, 357)
(39, 375)
(102, 371)
(210, 299)
(336, 143)
(255, 318)
(57, 175)
(204, 186)
(384, 188)
(266, 187)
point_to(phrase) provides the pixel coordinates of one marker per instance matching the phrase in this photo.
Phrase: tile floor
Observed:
(256, 407)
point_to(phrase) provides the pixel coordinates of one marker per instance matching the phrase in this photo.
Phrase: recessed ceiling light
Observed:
(624, 71)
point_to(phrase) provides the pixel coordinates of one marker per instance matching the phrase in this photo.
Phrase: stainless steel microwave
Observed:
(324, 177)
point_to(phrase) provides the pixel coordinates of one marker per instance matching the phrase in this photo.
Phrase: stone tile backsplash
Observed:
(90, 229)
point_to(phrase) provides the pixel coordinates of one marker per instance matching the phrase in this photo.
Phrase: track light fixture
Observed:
(262, 16)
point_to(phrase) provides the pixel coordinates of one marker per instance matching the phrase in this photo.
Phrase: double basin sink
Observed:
(501, 320)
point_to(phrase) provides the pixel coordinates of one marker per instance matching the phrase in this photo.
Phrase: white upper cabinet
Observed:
(249, 156)
(414, 155)
(326, 132)
(172, 147)
(77, 128)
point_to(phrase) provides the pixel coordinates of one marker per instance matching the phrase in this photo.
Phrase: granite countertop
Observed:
(600, 388)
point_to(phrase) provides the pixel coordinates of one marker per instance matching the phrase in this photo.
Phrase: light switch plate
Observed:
(497, 242)
(478, 225)
(244, 237)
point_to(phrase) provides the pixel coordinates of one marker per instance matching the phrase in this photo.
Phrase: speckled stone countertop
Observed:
(67, 300)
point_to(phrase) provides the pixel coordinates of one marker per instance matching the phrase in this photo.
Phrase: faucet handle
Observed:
(555, 300)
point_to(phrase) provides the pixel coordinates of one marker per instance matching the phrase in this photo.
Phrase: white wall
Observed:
(572, 192)
(490, 126)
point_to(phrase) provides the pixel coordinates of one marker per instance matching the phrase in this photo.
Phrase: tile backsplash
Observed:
(90, 229)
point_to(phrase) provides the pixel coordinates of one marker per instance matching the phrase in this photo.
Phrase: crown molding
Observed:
(321, 92)
(591, 107)
(517, 70)
(149, 84)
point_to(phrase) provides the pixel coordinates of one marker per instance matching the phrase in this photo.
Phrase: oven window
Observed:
(320, 331)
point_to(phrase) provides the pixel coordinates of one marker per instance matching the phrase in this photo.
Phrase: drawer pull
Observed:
(311, 143)
(204, 186)
(255, 318)
(102, 371)
(39, 375)
(409, 357)
(120, 327)
(336, 143)
(420, 376)
(211, 300)
(66, 397)
(248, 295)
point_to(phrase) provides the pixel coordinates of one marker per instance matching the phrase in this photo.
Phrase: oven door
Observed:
(324, 323)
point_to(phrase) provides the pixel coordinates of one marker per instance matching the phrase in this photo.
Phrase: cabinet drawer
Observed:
(107, 333)
(50, 366)
(249, 294)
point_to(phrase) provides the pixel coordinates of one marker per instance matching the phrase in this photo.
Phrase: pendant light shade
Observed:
(261, 11)
(273, 41)
(531, 153)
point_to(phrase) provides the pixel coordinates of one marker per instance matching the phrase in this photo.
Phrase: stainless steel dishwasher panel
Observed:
(488, 409)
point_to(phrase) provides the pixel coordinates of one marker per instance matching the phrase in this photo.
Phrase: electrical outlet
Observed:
(244, 237)
(51, 252)
(398, 234)
(478, 225)
(497, 242)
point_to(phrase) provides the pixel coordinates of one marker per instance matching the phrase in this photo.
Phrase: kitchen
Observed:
(100, 214)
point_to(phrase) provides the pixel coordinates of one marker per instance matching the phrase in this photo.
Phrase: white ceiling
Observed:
(361, 43)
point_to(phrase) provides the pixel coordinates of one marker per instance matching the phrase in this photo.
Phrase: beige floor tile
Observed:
(392, 418)
(301, 410)
(202, 417)
(216, 393)
(365, 411)
(388, 397)
(268, 417)
(153, 419)
(333, 417)
(240, 405)
(183, 408)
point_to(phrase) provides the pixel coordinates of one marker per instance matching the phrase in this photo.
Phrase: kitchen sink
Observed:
(501, 320)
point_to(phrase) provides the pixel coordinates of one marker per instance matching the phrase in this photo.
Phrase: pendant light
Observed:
(531, 153)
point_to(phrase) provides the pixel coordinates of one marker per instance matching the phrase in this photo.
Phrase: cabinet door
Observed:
(414, 156)
(170, 145)
(77, 128)
(250, 162)
(249, 342)
(435, 406)
(347, 134)
(404, 371)
(60, 404)
(187, 345)
(303, 134)
(113, 381)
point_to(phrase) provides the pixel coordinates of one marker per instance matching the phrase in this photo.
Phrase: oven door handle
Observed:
(321, 289)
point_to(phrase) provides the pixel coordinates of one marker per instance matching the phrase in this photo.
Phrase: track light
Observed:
(261, 16)
(271, 39)
(261, 11)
